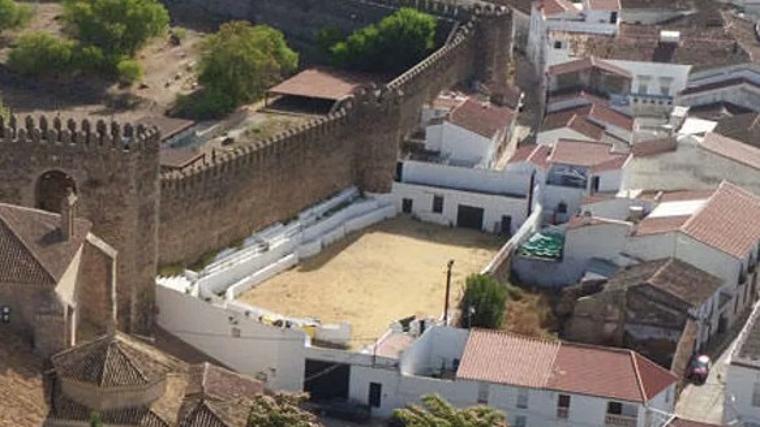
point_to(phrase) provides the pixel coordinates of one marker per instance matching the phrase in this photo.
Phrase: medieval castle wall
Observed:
(115, 172)
(221, 202)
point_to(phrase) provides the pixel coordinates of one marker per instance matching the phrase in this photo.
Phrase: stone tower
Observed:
(114, 170)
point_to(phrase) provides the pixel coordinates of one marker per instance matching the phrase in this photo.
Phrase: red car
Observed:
(699, 369)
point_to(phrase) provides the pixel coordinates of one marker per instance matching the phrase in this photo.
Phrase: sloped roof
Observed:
(604, 5)
(485, 119)
(741, 127)
(595, 155)
(114, 360)
(654, 146)
(505, 358)
(322, 83)
(553, 7)
(679, 279)
(729, 221)
(32, 249)
(222, 384)
(659, 225)
(587, 63)
(731, 149)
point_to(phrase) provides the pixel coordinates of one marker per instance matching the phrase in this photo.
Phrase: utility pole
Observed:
(448, 290)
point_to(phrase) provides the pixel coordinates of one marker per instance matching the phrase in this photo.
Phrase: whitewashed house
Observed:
(734, 88)
(742, 403)
(588, 16)
(592, 122)
(451, 180)
(536, 382)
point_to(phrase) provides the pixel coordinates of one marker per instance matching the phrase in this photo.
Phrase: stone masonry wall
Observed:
(221, 202)
(117, 184)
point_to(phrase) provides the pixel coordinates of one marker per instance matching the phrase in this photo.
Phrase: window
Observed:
(665, 83)
(563, 406)
(406, 206)
(520, 421)
(522, 398)
(437, 204)
(756, 395)
(483, 393)
(613, 17)
(558, 45)
(562, 208)
(375, 394)
(5, 314)
(643, 85)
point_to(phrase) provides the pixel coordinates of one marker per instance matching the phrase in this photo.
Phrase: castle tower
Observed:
(114, 170)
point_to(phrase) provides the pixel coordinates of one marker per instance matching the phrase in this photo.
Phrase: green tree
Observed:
(483, 302)
(394, 44)
(438, 413)
(41, 53)
(96, 420)
(118, 27)
(129, 71)
(13, 15)
(280, 410)
(240, 62)
(329, 36)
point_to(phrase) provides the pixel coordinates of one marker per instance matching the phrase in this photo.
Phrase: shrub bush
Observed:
(40, 53)
(13, 15)
(129, 71)
(483, 302)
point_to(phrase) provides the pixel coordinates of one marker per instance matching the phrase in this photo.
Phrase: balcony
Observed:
(611, 420)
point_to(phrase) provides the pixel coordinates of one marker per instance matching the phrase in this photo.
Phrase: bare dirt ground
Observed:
(167, 72)
(22, 398)
(387, 272)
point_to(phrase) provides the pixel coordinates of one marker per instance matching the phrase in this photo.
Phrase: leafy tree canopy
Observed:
(241, 61)
(117, 27)
(483, 302)
(41, 53)
(280, 410)
(393, 45)
(437, 412)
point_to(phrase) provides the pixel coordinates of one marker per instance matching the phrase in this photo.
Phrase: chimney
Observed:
(670, 37)
(68, 214)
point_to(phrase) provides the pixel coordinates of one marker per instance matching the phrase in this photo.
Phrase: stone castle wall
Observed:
(115, 170)
(223, 201)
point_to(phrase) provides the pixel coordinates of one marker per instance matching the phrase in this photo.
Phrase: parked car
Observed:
(699, 369)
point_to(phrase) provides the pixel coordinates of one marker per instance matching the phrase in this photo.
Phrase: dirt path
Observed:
(22, 400)
(389, 271)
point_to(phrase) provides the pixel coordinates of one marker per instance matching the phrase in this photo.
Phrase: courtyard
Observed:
(386, 272)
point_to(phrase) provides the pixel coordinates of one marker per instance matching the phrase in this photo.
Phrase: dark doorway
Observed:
(506, 225)
(595, 184)
(52, 186)
(375, 394)
(406, 206)
(722, 324)
(470, 217)
(399, 171)
(326, 381)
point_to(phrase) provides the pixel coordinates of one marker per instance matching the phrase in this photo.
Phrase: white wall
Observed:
(466, 146)
(276, 352)
(438, 347)
(740, 382)
(463, 178)
(655, 70)
(494, 206)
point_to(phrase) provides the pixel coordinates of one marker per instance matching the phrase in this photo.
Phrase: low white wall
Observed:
(466, 179)
(494, 206)
(263, 351)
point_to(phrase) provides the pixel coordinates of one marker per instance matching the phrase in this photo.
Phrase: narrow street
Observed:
(705, 402)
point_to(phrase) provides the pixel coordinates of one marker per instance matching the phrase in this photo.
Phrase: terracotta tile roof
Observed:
(553, 7)
(504, 358)
(485, 119)
(210, 380)
(729, 221)
(168, 126)
(393, 345)
(604, 5)
(607, 115)
(659, 225)
(681, 422)
(732, 149)
(587, 64)
(531, 153)
(702, 47)
(654, 146)
(575, 118)
(114, 360)
(595, 155)
(322, 83)
(676, 278)
(501, 357)
(32, 250)
(575, 94)
(675, 195)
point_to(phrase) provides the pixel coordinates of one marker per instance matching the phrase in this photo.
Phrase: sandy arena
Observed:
(386, 272)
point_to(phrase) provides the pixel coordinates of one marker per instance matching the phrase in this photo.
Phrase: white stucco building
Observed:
(742, 403)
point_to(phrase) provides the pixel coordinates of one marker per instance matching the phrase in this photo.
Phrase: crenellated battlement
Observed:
(446, 9)
(83, 134)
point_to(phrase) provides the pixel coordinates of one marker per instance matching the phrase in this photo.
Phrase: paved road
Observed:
(705, 402)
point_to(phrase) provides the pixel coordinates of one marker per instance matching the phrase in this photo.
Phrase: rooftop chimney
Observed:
(68, 213)
(670, 36)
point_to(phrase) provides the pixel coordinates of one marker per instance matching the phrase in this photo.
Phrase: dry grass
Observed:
(530, 313)
(387, 272)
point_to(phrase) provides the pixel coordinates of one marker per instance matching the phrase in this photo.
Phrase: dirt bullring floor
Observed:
(386, 272)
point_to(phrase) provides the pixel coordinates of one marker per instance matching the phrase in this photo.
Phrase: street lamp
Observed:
(448, 290)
